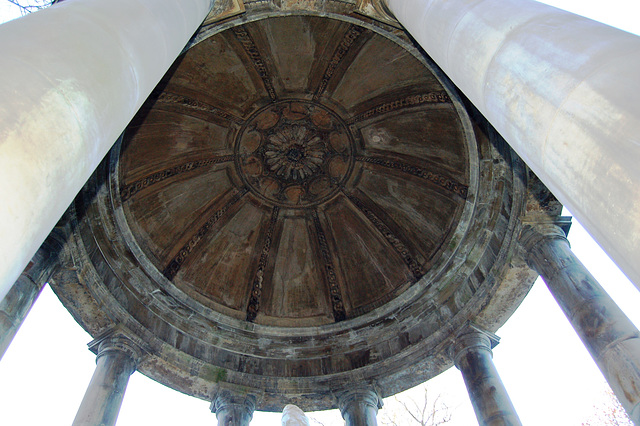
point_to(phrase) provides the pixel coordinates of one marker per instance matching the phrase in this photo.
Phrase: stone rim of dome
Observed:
(402, 306)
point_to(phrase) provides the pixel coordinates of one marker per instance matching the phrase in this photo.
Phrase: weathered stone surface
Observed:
(116, 359)
(362, 269)
(472, 355)
(359, 405)
(607, 333)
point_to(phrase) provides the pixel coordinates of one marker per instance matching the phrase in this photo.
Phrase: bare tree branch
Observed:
(405, 410)
(28, 6)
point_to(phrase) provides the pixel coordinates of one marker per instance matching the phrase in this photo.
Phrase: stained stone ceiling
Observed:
(282, 174)
(304, 202)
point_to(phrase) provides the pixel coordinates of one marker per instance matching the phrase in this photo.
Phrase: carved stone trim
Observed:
(256, 290)
(127, 191)
(409, 101)
(193, 104)
(223, 10)
(471, 337)
(233, 406)
(349, 38)
(440, 180)
(176, 263)
(337, 303)
(117, 339)
(397, 244)
(252, 51)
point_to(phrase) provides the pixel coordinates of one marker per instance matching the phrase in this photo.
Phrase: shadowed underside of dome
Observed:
(304, 202)
(295, 171)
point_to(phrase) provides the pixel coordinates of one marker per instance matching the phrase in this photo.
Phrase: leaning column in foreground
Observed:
(72, 76)
(359, 406)
(611, 338)
(561, 89)
(473, 357)
(117, 358)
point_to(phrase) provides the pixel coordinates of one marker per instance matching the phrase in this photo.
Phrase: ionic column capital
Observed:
(472, 338)
(117, 341)
(233, 406)
(360, 394)
(533, 234)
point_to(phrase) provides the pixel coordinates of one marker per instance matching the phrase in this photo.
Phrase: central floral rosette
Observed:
(294, 153)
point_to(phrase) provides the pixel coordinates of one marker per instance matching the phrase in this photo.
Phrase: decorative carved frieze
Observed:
(409, 101)
(440, 180)
(129, 190)
(252, 51)
(349, 38)
(337, 303)
(174, 266)
(258, 281)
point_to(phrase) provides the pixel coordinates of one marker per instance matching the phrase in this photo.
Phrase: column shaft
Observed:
(611, 338)
(116, 361)
(559, 88)
(489, 398)
(71, 78)
(14, 309)
(18, 302)
(233, 407)
(359, 406)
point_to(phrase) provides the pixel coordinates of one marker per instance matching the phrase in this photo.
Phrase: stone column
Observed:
(359, 406)
(611, 338)
(72, 76)
(18, 302)
(559, 88)
(473, 357)
(117, 358)
(233, 407)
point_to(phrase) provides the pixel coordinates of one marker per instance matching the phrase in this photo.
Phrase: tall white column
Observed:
(71, 77)
(561, 89)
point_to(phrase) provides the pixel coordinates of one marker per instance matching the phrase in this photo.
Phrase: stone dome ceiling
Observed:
(303, 203)
(295, 171)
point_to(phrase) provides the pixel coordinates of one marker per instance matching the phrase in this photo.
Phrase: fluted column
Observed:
(72, 76)
(473, 357)
(359, 406)
(559, 88)
(117, 358)
(233, 407)
(18, 302)
(611, 338)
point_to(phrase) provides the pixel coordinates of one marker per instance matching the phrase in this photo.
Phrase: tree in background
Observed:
(28, 6)
(407, 411)
(609, 413)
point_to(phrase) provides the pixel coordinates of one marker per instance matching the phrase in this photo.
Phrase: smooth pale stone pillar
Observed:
(18, 302)
(359, 406)
(473, 357)
(72, 76)
(233, 408)
(611, 338)
(116, 360)
(292, 415)
(561, 89)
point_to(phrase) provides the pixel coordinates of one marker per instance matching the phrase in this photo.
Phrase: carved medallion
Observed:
(294, 153)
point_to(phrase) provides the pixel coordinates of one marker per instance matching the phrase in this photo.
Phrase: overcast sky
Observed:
(548, 373)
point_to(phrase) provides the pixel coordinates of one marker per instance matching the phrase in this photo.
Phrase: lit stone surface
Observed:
(197, 237)
(558, 87)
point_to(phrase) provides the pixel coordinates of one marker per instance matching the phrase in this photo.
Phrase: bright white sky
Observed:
(549, 375)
